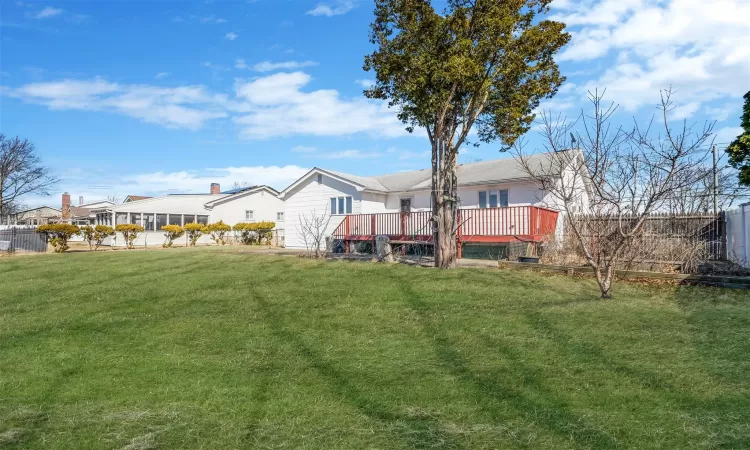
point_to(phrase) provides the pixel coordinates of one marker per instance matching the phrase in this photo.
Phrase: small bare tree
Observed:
(606, 180)
(312, 232)
(114, 198)
(21, 172)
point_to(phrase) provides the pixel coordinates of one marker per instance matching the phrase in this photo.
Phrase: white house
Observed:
(255, 204)
(499, 187)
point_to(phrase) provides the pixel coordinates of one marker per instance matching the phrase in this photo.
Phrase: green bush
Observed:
(58, 235)
(129, 232)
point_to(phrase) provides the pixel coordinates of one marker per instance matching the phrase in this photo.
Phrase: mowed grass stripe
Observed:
(214, 348)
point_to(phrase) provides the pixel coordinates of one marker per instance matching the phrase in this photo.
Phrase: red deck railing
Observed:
(514, 223)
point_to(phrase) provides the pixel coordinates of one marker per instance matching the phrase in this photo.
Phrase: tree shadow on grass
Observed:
(491, 393)
(418, 431)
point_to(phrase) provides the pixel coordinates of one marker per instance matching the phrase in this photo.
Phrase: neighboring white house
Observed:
(486, 184)
(255, 204)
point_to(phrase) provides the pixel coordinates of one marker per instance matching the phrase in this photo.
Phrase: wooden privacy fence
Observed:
(666, 238)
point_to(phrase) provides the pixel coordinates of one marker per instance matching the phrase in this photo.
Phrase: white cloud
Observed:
(231, 35)
(214, 67)
(332, 9)
(212, 19)
(277, 177)
(699, 48)
(270, 106)
(365, 83)
(48, 12)
(268, 66)
(278, 107)
(181, 107)
(728, 134)
(724, 112)
(161, 75)
(240, 64)
(304, 149)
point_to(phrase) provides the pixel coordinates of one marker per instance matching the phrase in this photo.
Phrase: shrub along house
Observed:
(253, 204)
(499, 205)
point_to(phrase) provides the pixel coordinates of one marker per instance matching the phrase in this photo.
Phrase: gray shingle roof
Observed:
(483, 172)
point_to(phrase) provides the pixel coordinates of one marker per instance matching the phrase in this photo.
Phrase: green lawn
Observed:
(209, 348)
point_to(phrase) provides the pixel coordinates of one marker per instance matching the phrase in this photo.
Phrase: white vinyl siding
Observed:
(311, 197)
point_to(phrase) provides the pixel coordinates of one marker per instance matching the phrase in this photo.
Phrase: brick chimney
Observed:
(215, 188)
(80, 200)
(66, 215)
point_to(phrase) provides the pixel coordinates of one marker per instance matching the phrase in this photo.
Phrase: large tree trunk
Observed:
(446, 249)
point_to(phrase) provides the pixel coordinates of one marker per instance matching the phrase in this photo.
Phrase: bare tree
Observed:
(312, 232)
(240, 185)
(114, 198)
(21, 172)
(610, 180)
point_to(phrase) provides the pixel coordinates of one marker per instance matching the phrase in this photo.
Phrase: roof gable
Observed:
(241, 194)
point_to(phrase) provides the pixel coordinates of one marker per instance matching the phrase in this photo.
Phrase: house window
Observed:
(188, 218)
(279, 217)
(175, 219)
(405, 205)
(248, 215)
(341, 205)
(493, 199)
(203, 220)
(135, 218)
(161, 220)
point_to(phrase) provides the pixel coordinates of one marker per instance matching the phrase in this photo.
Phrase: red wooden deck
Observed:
(486, 225)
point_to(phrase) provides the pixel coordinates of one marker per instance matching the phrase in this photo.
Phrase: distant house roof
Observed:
(135, 198)
(239, 189)
(169, 204)
(38, 207)
(483, 172)
(240, 193)
(77, 211)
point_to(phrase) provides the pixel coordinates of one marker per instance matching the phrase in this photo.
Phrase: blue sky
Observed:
(133, 97)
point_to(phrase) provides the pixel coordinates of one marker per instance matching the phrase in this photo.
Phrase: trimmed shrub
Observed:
(96, 235)
(194, 232)
(171, 232)
(218, 231)
(129, 232)
(255, 232)
(246, 235)
(58, 235)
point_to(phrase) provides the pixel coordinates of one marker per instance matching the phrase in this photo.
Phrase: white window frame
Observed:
(249, 215)
(487, 198)
(338, 199)
(279, 217)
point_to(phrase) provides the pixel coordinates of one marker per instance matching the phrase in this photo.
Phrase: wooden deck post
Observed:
(346, 238)
(458, 234)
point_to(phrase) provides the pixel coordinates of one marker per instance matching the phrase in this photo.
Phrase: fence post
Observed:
(12, 246)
